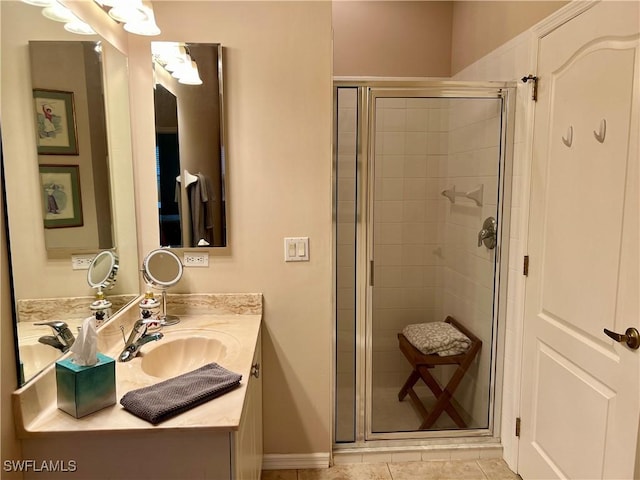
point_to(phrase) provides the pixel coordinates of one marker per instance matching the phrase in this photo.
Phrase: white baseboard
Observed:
(275, 461)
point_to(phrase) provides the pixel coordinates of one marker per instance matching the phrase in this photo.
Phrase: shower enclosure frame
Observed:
(367, 93)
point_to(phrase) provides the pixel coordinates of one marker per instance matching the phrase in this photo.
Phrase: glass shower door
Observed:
(435, 173)
(421, 177)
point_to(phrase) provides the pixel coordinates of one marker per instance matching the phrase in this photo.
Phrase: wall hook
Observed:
(603, 131)
(569, 140)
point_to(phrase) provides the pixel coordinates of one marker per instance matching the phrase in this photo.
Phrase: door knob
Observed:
(631, 337)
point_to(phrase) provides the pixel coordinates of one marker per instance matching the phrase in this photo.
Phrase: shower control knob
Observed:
(488, 233)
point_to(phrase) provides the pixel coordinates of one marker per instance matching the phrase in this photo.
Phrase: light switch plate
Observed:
(296, 249)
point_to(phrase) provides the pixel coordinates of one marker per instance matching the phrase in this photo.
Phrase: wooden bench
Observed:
(421, 364)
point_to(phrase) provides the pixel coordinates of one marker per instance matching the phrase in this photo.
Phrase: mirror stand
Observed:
(102, 275)
(162, 269)
(167, 319)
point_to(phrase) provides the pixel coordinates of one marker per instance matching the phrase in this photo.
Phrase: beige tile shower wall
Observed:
(468, 270)
(411, 151)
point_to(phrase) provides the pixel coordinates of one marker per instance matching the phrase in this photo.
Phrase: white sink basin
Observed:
(185, 350)
(36, 356)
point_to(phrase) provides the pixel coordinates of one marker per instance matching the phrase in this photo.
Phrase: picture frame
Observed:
(61, 196)
(56, 132)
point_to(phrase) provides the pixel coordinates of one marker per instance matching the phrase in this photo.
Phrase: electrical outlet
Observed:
(81, 262)
(195, 259)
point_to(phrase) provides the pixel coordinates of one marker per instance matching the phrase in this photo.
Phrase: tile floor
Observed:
(483, 469)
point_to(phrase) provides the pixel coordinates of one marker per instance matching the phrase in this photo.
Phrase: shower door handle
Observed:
(488, 233)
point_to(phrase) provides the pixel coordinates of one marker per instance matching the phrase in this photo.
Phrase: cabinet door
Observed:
(248, 439)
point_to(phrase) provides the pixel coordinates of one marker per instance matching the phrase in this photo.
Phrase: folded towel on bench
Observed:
(439, 338)
(171, 397)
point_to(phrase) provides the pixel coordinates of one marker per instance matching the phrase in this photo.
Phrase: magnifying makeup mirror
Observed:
(102, 276)
(162, 269)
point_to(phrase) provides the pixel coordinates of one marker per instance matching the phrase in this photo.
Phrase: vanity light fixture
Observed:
(79, 27)
(147, 26)
(175, 56)
(128, 11)
(176, 59)
(191, 75)
(57, 12)
(40, 3)
(136, 15)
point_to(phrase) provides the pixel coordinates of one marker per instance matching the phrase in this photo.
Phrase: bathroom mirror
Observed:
(190, 148)
(49, 265)
(103, 270)
(66, 77)
(162, 269)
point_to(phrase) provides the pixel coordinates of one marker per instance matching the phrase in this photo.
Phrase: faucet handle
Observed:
(57, 325)
(61, 330)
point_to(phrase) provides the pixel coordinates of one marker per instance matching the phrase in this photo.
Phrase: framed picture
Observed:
(55, 122)
(61, 200)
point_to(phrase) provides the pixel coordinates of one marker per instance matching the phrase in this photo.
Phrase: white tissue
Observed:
(84, 351)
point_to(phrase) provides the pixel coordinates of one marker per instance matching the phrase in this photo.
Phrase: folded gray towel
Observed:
(171, 397)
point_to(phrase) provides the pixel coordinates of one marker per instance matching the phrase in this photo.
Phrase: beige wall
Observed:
(279, 114)
(480, 27)
(425, 39)
(392, 38)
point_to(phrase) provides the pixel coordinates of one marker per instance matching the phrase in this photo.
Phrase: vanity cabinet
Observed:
(247, 464)
(218, 440)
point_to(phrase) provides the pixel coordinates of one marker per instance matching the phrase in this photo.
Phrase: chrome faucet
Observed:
(137, 338)
(63, 337)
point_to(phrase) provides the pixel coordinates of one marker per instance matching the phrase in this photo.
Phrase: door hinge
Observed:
(518, 427)
(525, 266)
(534, 91)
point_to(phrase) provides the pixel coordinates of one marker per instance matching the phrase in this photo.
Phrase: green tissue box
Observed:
(84, 390)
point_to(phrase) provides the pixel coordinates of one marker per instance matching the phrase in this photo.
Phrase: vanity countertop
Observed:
(235, 318)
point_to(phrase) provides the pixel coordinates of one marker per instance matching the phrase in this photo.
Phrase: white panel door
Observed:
(581, 390)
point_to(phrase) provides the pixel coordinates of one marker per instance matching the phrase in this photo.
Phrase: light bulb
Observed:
(192, 77)
(79, 27)
(146, 27)
(59, 13)
(40, 3)
(126, 11)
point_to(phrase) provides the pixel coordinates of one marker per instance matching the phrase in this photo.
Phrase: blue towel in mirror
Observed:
(171, 397)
